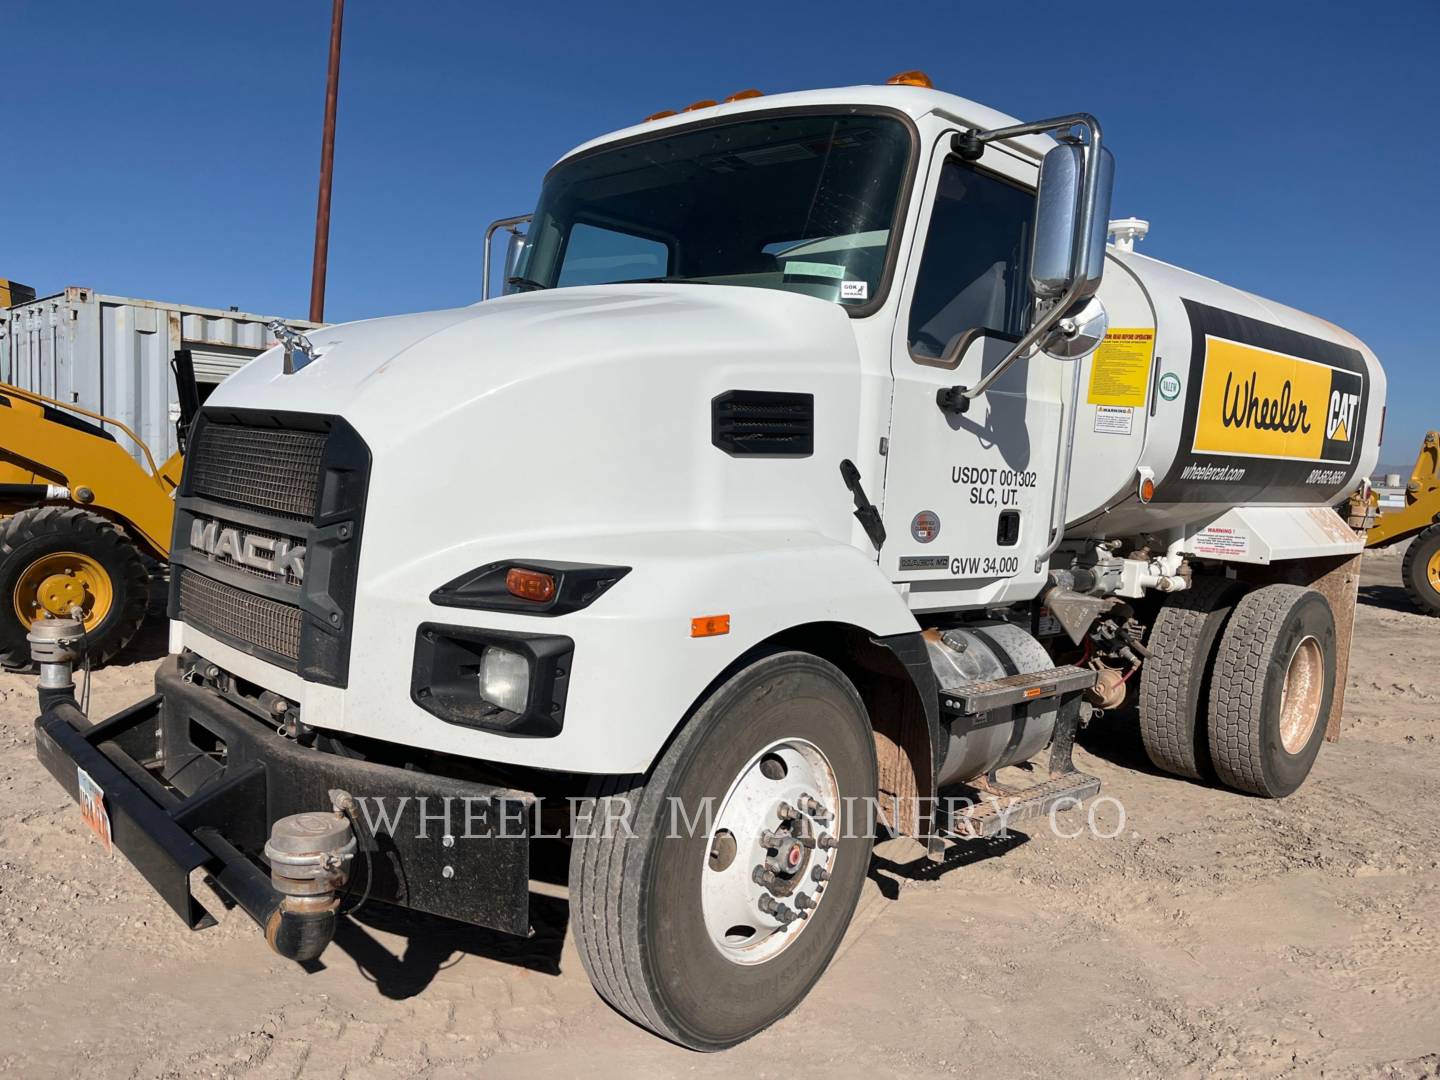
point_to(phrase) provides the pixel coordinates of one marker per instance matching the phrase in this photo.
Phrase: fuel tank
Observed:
(981, 652)
(1222, 398)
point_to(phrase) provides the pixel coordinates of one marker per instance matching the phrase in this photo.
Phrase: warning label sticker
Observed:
(1114, 420)
(1221, 542)
(1120, 368)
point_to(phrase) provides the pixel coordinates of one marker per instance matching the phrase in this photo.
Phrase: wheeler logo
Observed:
(273, 555)
(1260, 403)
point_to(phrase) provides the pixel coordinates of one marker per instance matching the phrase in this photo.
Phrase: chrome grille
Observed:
(260, 468)
(229, 612)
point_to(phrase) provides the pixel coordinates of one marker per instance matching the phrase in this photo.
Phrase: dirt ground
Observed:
(1215, 934)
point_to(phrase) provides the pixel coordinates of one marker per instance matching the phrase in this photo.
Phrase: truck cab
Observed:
(766, 504)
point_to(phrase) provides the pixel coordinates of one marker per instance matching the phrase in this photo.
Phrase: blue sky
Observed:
(170, 150)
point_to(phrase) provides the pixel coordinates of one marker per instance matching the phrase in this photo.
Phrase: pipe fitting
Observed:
(55, 646)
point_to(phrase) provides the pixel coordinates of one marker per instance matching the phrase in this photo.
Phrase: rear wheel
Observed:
(710, 912)
(1271, 692)
(56, 561)
(1176, 675)
(1421, 570)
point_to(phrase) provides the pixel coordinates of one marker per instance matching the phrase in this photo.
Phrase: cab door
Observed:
(968, 497)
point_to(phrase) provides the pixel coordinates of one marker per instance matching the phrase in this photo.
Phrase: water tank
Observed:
(1220, 397)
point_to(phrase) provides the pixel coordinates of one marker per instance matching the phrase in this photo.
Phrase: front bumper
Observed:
(193, 782)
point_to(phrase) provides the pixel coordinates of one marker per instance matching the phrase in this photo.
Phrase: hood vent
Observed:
(763, 423)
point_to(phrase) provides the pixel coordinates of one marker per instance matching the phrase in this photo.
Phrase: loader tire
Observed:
(1421, 570)
(666, 916)
(1271, 691)
(55, 557)
(1176, 675)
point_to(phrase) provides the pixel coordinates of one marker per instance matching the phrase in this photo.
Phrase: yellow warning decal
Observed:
(1259, 403)
(1120, 368)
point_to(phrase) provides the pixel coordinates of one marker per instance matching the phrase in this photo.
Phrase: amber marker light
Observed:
(911, 78)
(744, 95)
(530, 584)
(709, 625)
(661, 115)
(693, 106)
(1147, 490)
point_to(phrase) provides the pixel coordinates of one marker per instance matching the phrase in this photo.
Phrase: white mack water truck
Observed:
(820, 459)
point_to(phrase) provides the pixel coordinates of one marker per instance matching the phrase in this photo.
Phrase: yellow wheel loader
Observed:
(79, 517)
(1419, 519)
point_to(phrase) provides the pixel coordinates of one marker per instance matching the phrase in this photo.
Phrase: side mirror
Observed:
(1068, 248)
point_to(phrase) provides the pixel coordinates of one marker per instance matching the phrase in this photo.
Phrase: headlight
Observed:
(505, 679)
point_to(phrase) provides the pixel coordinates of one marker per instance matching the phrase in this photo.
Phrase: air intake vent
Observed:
(763, 423)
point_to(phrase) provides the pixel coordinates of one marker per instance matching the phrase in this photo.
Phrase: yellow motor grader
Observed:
(79, 517)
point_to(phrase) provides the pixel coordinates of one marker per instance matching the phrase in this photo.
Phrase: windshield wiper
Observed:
(525, 284)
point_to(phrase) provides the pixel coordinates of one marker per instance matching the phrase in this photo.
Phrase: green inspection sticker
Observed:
(1169, 386)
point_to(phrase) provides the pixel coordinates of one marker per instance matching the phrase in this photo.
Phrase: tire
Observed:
(1257, 744)
(637, 907)
(1176, 676)
(58, 534)
(1421, 570)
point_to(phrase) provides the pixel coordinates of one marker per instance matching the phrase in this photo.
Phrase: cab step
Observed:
(971, 698)
(992, 814)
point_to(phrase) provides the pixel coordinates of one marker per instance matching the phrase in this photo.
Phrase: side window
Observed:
(595, 255)
(975, 268)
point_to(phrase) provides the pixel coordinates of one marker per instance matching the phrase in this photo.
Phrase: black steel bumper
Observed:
(193, 782)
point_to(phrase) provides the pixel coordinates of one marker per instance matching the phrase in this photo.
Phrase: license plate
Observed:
(92, 809)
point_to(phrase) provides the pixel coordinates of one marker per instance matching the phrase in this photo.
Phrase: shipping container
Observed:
(111, 355)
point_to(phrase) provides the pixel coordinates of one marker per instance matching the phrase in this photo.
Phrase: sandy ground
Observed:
(1216, 934)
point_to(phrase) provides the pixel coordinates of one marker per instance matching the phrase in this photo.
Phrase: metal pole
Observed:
(327, 168)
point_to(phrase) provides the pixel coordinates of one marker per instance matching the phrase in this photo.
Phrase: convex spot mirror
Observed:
(1062, 223)
(1079, 331)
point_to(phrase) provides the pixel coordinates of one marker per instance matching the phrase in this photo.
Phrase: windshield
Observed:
(800, 203)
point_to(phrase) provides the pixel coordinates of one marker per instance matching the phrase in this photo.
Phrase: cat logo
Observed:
(1341, 418)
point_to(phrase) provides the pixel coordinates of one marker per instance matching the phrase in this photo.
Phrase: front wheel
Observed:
(708, 897)
(1421, 570)
(59, 561)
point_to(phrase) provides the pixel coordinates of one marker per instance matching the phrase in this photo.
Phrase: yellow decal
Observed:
(1120, 370)
(1259, 403)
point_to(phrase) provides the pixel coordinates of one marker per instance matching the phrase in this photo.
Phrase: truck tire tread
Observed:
(1237, 693)
(1175, 676)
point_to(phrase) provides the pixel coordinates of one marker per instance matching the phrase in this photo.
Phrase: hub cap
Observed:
(772, 847)
(1301, 697)
(59, 582)
(1432, 571)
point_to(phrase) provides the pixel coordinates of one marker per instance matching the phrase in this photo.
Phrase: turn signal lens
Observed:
(709, 625)
(530, 585)
(661, 115)
(911, 78)
(1147, 490)
(744, 95)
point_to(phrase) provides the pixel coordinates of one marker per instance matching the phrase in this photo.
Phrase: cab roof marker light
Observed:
(911, 78)
(661, 115)
(703, 103)
(744, 95)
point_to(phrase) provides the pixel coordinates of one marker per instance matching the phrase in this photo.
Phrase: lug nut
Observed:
(771, 839)
(777, 911)
(819, 874)
(786, 811)
(812, 806)
(762, 876)
(804, 901)
(827, 842)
